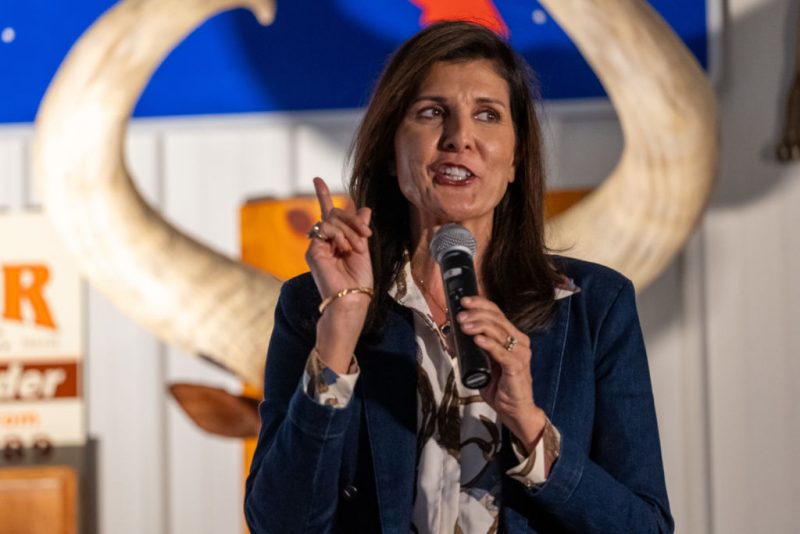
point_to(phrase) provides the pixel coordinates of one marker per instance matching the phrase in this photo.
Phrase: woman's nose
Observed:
(457, 134)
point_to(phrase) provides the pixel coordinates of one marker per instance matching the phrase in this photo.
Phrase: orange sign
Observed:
(273, 232)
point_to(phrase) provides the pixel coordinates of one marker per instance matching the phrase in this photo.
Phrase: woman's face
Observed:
(455, 145)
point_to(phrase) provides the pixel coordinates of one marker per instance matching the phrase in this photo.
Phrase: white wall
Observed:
(720, 322)
(752, 291)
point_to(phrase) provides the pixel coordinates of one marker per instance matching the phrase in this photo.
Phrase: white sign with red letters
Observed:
(42, 318)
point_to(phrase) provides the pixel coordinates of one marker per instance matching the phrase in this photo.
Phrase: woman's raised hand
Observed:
(338, 257)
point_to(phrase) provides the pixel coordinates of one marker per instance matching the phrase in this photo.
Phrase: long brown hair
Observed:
(517, 272)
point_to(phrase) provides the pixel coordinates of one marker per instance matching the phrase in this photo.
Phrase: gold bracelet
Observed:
(324, 304)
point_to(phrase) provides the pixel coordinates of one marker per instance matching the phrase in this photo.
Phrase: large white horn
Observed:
(639, 218)
(181, 290)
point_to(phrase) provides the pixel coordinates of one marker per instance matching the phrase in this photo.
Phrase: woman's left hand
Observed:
(510, 390)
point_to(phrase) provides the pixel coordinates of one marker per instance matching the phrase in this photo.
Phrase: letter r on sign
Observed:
(16, 291)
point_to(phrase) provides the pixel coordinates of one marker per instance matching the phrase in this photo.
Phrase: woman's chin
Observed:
(465, 215)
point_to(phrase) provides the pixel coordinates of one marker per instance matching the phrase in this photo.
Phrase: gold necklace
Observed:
(445, 327)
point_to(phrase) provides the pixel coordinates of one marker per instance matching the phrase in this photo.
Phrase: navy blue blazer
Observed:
(323, 469)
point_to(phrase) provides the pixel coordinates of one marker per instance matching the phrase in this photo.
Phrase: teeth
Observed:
(458, 173)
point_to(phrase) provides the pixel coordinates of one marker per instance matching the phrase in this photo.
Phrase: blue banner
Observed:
(318, 54)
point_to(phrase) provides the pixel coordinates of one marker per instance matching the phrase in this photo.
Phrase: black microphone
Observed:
(453, 248)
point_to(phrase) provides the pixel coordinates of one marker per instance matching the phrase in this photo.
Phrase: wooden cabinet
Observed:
(38, 500)
(49, 491)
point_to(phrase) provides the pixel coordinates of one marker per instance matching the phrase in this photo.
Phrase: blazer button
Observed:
(349, 492)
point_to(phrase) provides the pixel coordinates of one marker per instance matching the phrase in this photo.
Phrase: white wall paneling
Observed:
(752, 289)
(323, 140)
(13, 172)
(580, 151)
(126, 406)
(671, 311)
(210, 172)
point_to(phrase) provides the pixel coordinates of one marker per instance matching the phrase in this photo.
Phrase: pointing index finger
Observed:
(323, 196)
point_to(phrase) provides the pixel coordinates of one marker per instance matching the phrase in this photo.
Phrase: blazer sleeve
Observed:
(619, 485)
(294, 476)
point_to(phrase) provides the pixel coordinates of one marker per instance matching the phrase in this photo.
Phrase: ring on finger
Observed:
(511, 342)
(316, 232)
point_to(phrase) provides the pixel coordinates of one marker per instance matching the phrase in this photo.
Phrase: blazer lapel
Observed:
(548, 354)
(389, 383)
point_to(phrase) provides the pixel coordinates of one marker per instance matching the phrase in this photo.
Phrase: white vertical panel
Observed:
(753, 398)
(580, 153)
(210, 173)
(693, 451)
(751, 254)
(125, 396)
(205, 471)
(671, 311)
(789, 381)
(322, 144)
(12, 173)
(659, 309)
(124, 391)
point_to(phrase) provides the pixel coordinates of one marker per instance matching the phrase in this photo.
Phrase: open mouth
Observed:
(453, 174)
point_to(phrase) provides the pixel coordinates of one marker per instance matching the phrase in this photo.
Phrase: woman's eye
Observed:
(430, 113)
(488, 115)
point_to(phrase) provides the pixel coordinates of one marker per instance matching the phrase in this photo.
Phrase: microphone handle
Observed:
(458, 276)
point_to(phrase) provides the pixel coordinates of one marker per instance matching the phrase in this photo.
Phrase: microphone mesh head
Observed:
(452, 237)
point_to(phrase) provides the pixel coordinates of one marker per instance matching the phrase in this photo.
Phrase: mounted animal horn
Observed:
(205, 303)
(185, 293)
(643, 213)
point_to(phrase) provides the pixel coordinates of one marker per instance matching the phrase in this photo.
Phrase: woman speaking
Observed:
(366, 424)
